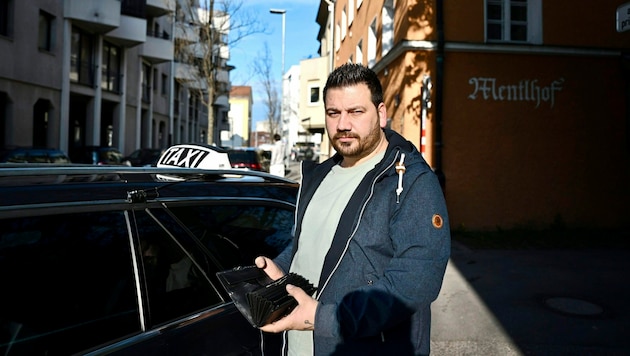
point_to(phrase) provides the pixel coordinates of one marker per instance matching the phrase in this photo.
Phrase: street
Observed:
(293, 171)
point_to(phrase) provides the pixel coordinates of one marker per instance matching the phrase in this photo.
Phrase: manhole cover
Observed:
(574, 306)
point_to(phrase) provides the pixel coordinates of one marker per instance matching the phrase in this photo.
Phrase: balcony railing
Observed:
(159, 34)
(111, 81)
(82, 72)
(146, 93)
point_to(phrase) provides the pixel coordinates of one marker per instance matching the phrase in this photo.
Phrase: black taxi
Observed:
(123, 260)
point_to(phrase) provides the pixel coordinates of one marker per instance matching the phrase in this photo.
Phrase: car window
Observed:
(237, 233)
(67, 283)
(242, 156)
(17, 157)
(176, 272)
(110, 156)
(58, 157)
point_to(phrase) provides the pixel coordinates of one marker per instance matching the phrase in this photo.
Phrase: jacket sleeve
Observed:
(411, 280)
(283, 260)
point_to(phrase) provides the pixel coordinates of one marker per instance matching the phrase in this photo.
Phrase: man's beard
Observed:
(360, 147)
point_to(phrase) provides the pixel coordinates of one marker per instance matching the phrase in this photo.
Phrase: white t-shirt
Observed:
(320, 222)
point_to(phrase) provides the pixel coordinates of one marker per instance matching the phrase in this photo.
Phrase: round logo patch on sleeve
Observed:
(437, 221)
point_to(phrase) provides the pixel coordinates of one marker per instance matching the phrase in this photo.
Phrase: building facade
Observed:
(240, 117)
(98, 72)
(313, 73)
(521, 109)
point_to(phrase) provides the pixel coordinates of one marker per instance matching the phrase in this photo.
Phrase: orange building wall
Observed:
(402, 96)
(515, 162)
(577, 23)
(511, 163)
(574, 23)
(462, 20)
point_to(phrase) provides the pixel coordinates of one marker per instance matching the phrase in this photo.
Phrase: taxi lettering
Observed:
(183, 157)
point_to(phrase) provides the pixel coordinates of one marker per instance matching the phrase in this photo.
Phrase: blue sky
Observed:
(300, 43)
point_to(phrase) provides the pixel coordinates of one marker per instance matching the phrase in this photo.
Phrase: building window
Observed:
(350, 12)
(337, 37)
(155, 79)
(146, 83)
(314, 95)
(46, 30)
(134, 8)
(388, 26)
(6, 18)
(82, 57)
(344, 23)
(359, 52)
(164, 84)
(517, 21)
(111, 67)
(371, 45)
(176, 96)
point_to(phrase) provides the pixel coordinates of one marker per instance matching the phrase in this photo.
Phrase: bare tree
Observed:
(262, 68)
(209, 29)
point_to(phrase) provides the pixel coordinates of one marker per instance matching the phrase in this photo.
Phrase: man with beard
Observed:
(371, 233)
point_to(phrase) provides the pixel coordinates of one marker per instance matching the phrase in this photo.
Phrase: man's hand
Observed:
(266, 264)
(301, 318)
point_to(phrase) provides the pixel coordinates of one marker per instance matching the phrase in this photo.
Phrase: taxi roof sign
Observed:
(623, 17)
(195, 155)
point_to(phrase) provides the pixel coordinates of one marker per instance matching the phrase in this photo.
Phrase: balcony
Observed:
(131, 32)
(189, 74)
(185, 72)
(186, 33)
(222, 100)
(157, 8)
(100, 16)
(197, 50)
(157, 49)
(222, 75)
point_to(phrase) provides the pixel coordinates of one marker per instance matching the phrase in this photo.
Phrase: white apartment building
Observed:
(101, 72)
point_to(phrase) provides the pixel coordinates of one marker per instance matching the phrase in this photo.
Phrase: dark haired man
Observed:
(371, 233)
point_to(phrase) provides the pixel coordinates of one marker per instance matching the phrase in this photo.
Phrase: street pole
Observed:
(283, 13)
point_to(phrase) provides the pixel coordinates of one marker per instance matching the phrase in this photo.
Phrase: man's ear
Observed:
(382, 114)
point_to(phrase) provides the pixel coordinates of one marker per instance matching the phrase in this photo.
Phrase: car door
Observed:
(67, 281)
(185, 304)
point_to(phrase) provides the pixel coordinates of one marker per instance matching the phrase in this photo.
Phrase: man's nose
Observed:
(344, 123)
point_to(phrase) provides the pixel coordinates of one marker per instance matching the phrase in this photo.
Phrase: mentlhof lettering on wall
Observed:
(525, 90)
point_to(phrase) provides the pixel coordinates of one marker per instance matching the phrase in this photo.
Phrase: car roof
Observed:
(22, 184)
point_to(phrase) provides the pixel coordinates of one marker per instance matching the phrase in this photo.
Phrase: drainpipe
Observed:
(439, 78)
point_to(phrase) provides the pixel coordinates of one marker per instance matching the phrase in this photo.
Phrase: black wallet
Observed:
(260, 299)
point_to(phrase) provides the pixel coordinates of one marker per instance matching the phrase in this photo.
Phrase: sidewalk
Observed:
(533, 302)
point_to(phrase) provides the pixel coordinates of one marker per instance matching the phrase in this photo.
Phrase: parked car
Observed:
(123, 260)
(98, 155)
(249, 158)
(143, 157)
(304, 151)
(17, 154)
